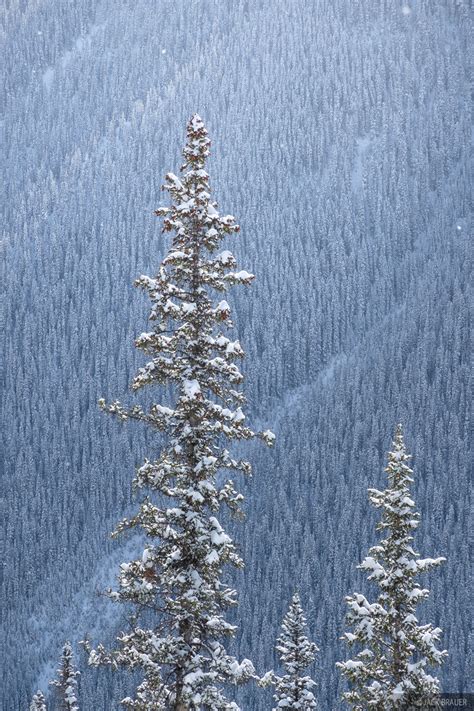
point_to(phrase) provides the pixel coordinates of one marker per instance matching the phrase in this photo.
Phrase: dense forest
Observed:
(340, 135)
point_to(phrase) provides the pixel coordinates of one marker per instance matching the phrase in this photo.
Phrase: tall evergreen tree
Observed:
(66, 683)
(38, 702)
(297, 653)
(178, 632)
(390, 671)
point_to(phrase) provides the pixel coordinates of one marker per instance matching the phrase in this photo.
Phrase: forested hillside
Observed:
(340, 135)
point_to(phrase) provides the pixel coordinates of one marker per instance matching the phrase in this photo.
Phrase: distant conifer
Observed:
(38, 702)
(66, 683)
(293, 690)
(390, 671)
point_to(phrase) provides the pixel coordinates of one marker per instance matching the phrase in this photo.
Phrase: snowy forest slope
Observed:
(340, 134)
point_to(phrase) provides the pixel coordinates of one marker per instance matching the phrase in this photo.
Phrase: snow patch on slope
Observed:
(91, 614)
(70, 55)
(363, 144)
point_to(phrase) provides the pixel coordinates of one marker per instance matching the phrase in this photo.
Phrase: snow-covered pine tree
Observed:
(178, 645)
(38, 702)
(390, 671)
(66, 683)
(297, 653)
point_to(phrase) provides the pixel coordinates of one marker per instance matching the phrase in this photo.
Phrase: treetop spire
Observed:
(197, 147)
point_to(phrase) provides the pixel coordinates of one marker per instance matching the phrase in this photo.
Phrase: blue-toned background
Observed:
(340, 137)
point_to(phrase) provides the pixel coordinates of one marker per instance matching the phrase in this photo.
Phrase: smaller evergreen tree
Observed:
(66, 683)
(390, 671)
(297, 653)
(38, 702)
